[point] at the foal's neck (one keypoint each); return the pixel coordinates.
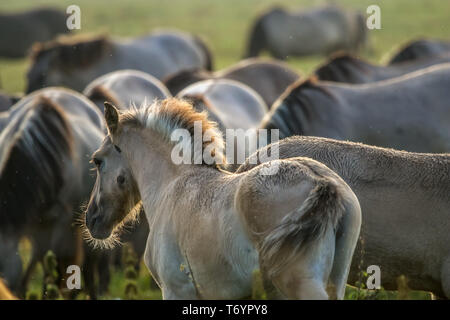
(150, 163)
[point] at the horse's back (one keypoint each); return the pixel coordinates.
(126, 88)
(267, 78)
(169, 52)
(236, 104)
(321, 30)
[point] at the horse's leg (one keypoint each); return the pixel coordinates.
(306, 277)
(176, 283)
(89, 266)
(104, 272)
(347, 238)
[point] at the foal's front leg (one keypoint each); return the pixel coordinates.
(171, 271)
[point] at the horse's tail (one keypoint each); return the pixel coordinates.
(321, 210)
(207, 53)
(257, 38)
(37, 148)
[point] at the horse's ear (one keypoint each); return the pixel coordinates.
(111, 117)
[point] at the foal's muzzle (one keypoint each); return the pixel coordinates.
(95, 222)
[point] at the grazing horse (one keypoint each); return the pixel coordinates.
(268, 78)
(124, 88)
(18, 31)
(409, 113)
(317, 31)
(405, 205)
(45, 174)
(349, 69)
(295, 218)
(75, 61)
(420, 49)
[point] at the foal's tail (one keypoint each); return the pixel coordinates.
(321, 210)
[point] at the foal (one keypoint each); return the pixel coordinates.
(210, 229)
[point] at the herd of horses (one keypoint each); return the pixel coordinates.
(362, 176)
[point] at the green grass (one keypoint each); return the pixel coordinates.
(224, 24)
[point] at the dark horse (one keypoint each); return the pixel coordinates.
(18, 31)
(45, 176)
(349, 69)
(419, 49)
(318, 31)
(74, 62)
(407, 113)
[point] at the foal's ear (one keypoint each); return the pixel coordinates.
(111, 117)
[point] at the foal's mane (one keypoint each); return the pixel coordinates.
(34, 150)
(73, 51)
(163, 117)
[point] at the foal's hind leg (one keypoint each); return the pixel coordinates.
(306, 277)
(346, 240)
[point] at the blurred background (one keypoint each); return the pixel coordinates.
(225, 25)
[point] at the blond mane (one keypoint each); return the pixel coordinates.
(166, 116)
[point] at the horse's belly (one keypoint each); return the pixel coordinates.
(224, 284)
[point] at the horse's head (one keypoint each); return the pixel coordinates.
(64, 62)
(115, 192)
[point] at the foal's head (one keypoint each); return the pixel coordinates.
(115, 192)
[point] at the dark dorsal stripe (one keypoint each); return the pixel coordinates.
(32, 165)
(342, 68)
(296, 109)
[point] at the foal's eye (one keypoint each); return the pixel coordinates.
(120, 179)
(117, 149)
(97, 162)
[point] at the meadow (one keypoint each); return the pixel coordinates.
(224, 25)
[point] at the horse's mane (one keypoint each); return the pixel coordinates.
(164, 117)
(100, 92)
(291, 105)
(73, 51)
(35, 147)
(189, 76)
(339, 65)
